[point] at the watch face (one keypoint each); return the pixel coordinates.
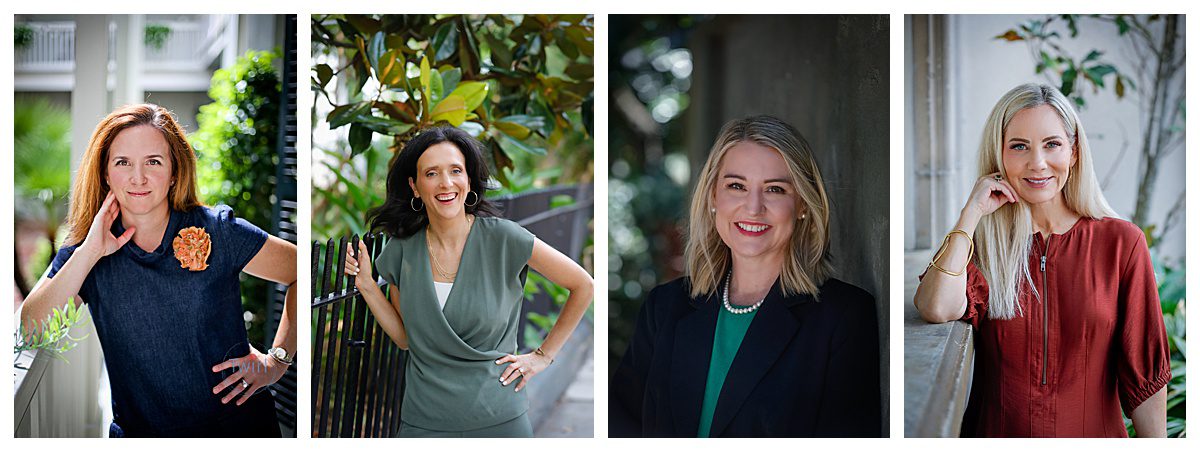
(279, 353)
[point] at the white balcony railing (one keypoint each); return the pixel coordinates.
(52, 48)
(191, 45)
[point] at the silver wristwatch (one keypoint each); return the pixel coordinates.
(281, 355)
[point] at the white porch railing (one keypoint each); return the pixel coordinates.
(56, 399)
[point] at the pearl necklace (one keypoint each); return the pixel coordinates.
(729, 307)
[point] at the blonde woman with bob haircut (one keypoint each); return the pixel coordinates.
(1061, 293)
(160, 275)
(758, 340)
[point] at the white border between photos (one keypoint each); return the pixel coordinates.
(601, 8)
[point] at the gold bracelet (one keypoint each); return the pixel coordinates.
(541, 353)
(942, 250)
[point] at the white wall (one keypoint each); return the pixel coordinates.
(983, 69)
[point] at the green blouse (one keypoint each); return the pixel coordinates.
(731, 329)
(452, 380)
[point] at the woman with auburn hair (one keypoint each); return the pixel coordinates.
(757, 339)
(1061, 293)
(159, 272)
(462, 377)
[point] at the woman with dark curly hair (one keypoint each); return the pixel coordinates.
(457, 273)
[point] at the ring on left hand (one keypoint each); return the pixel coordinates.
(245, 384)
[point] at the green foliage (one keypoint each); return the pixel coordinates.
(52, 335)
(1045, 42)
(41, 169)
(358, 186)
(22, 35)
(1171, 292)
(540, 324)
(156, 35)
(237, 157)
(521, 84)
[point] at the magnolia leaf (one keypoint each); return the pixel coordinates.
(375, 49)
(425, 73)
(324, 74)
(391, 70)
(445, 41)
(512, 129)
(473, 128)
(435, 86)
(363, 23)
(386, 126)
(450, 79)
(452, 109)
(344, 114)
(472, 92)
(508, 143)
(360, 138)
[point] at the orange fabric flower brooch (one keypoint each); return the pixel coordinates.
(192, 247)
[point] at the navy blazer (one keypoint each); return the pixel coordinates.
(805, 368)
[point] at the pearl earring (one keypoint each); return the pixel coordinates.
(712, 210)
(803, 216)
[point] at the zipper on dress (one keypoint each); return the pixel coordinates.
(1045, 312)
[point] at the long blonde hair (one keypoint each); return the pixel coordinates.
(807, 265)
(1003, 239)
(90, 186)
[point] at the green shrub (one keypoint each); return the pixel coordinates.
(237, 157)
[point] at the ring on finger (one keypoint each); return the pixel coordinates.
(245, 384)
(998, 176)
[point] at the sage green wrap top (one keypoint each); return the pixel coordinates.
(451, 377)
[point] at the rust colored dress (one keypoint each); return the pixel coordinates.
(1067, 367)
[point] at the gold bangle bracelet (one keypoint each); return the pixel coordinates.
(942, 250)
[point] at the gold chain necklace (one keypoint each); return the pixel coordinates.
(437, 266)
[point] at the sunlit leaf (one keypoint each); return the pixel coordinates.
(472, 93)
(452, 109)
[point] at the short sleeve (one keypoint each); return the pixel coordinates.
(387, 263)
(977, 295)
(518, 245)
(242, 240)
(1144, 365)
(60, 259)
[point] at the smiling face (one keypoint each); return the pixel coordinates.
(441, 181)
(756, 204)
(1038, 154)
(139, 170)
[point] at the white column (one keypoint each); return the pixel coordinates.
(89, 98)
(131, 30)
(230, 53)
